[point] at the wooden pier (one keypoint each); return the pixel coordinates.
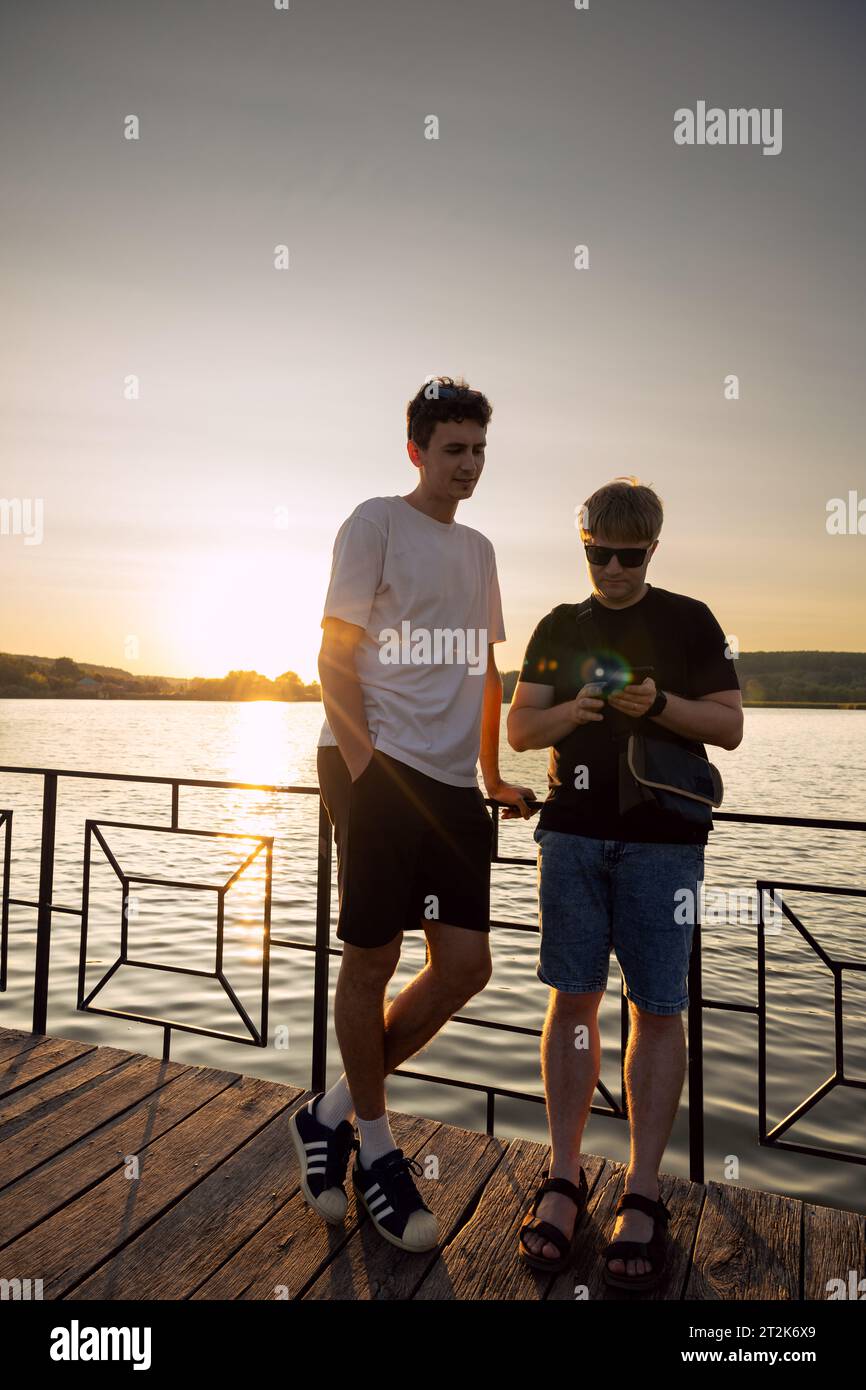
(125, 1177)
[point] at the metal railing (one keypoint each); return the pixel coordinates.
(323, 950)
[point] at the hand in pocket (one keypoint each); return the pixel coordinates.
(364, 769)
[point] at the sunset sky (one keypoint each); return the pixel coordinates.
(193, 526)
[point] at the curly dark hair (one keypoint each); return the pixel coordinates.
(443, 398)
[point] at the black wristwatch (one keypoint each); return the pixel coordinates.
(657, 705)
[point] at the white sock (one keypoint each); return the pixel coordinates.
(376, 1139)
(336, 1104)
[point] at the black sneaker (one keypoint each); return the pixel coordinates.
(393, 1201)
(323, 1155)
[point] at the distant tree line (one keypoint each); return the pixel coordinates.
(23, 677)
(250, 685)
(795, 677)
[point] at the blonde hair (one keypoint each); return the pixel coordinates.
(623, 510)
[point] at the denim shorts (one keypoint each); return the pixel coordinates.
(639, 900)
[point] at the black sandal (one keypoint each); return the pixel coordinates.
(533, 1225)
(654, 1249)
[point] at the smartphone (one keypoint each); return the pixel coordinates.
(616, 678)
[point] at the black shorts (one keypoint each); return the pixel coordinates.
(410, 849)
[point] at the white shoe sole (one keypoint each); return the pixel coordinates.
(395, 1240)
(310, 1199)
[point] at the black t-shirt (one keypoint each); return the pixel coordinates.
(676, 635)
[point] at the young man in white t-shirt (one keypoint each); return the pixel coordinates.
(411, 695)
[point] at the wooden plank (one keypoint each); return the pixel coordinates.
(481, 1261)
(290, 1249)
(585, 1280)
(50, 1134)
(51, 1090)
(46, 1055)
(834, 1245)
(69, 1246)
(369, 1267)
(206, 1227)
(217, 1212)
(14, 1041)
(33, 1198)
(747, 1246)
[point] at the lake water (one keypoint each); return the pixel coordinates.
(791, 762)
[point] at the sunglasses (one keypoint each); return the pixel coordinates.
(629, 556)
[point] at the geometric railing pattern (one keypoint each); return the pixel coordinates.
(94, 829)
(772, 1138)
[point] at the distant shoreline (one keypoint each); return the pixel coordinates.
(767, 680)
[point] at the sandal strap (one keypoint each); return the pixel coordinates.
(657, 1210)
(566, 1188)
(550, 1233)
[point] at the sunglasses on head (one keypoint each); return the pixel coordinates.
(450, 393)
(629, 556)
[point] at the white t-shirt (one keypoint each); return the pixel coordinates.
(427, 590)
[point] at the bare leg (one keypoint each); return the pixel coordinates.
(570, 1061)
(458, 966)
(655, 1067)
(359, 1005)
(373, 1042)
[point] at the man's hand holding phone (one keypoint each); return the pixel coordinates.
(588, 704)
(635, 700)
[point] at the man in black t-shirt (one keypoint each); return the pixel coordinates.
(632, 658)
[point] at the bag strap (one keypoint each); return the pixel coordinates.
(582, 612)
